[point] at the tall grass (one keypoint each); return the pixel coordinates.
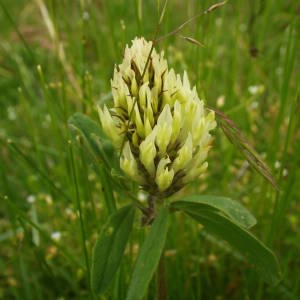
(57, 58)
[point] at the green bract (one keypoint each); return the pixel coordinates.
(162, 120)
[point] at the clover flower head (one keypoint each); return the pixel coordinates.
(161, 119)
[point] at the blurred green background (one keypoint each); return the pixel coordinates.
(57, 58)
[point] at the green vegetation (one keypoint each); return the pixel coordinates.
(57, 59)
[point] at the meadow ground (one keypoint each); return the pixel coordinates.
(249, 69)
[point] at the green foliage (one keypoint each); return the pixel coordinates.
(110, 246)
(248, 69)
(96, 140)
(226, 221)
(251, 248)
(230, 208)
(149, 256)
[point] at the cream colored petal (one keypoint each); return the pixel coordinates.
(177, 119)
(164, 175)
(143, 94)
(148, 152)
(109, 126)
(134, 87)
(149, 111)
(148, 128)
(138, 122)
(154, 99)
(129, 165)
(186, 83)
(184, 155)
(164, 129)
(195, 173)
(170, 88)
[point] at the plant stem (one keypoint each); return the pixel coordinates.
(162, 290)
(82, 227)
(149, 213)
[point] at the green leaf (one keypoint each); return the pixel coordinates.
(100, 145)
(230, 208)
(149, 256)
(110, 247)
(243, 241)
(100, 148)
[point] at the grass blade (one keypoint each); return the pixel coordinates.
(236, 137)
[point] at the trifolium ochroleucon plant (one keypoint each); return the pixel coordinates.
(157, 121)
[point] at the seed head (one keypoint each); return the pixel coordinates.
(161, 119)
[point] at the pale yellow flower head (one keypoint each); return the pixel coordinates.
(168, 137)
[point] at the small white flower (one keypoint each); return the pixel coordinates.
(277, 164)
(221, 101)
(30, 199)
(56, 236)
(142, 196)
(48, 199)
(69, 211)
(256, 89)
